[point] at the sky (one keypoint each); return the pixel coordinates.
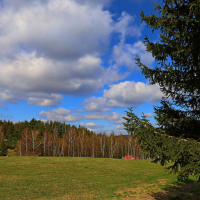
(73, 61)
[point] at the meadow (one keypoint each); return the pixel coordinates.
(89, 178)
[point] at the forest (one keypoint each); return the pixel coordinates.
(38, 138)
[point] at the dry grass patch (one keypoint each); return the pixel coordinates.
(142, 191)
(161, 191)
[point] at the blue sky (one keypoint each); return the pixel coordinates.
(74, 61)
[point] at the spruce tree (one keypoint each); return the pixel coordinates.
(178, 73)
(3, 149)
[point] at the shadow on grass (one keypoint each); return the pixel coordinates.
(179, 191)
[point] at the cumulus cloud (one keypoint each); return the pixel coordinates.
(130, 92)
(96, 104)
(92, 125)
(43, 120)
(124, 55)
(127, 20)
(30, 73)
(45, 99)
(114, 118)
(113, 74)
(11, 3)
(124, 94)
(100, 104)
(60, 114)
(21, 78)
(55, 28)
(95, 2)
(149, 115)
(119, 127)
(11, 96)
(53, 47)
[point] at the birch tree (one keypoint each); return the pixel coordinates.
(35, 143)
(26, 140)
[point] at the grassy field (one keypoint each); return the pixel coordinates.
(89, 178)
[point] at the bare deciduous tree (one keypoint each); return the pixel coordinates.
(34, 141)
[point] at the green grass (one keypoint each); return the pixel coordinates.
(85, 178)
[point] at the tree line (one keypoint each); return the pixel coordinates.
(13, 131)
(37, 138)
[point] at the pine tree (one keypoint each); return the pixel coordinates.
(3, 149)
(178, 55)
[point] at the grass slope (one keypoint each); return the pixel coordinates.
(89, 178)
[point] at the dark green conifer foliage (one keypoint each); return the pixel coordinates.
(178, 55)
(3, 149)
(183, 154)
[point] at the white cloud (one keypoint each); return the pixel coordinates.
(11, 97)
(100, 104)
(60, 114)
(95, 104)
(124, 94)
(42, 120)
(149, 115)
(113, 74)
(124, 55)
(57, 29)
(119, 127)
(21, 3)
(45, 99)
(124, 26)
(95, 2)
(27, 3)
(92, 125)
(53, 47)
(132, 93)
(29, 74)
(113, 117)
